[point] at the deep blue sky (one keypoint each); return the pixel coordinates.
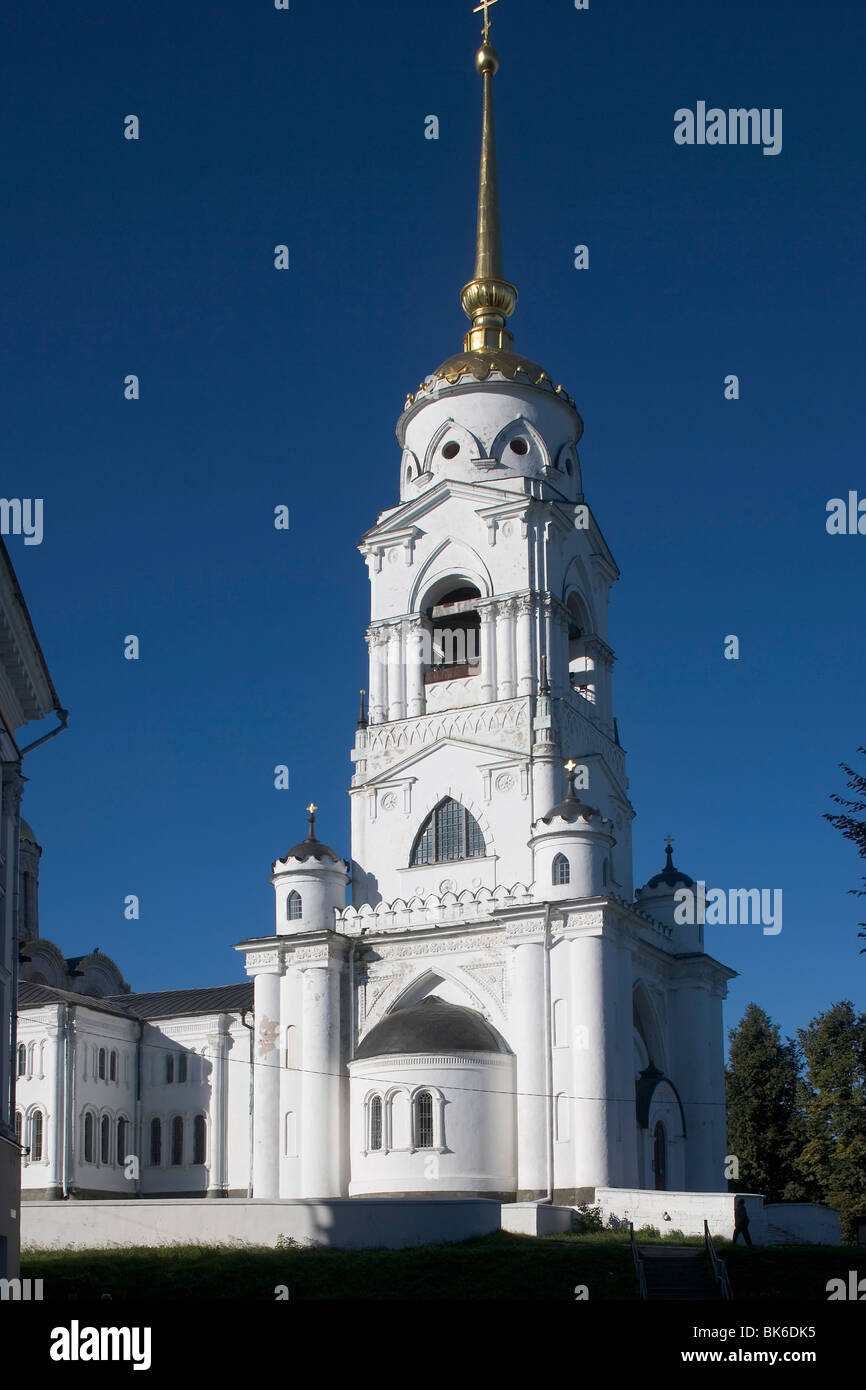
(307, 127)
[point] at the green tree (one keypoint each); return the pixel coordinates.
(852, 823)
(765, 1123)
(833, 1092)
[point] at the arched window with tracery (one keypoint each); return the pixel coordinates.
(375, 1138)
(37, 1124)
(424, 1120)
(561, 871)
(294, 907)
(449, 832)
(22, 1060)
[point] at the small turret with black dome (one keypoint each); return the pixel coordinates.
(571, 847)
(310, 883)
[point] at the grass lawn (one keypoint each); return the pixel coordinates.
(500, 1266)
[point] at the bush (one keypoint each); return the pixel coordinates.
(588, 1219)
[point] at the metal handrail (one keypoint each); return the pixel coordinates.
(638, 1262)
(719, 1268)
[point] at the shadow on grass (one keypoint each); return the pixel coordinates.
(499, 1266)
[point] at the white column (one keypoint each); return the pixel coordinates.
(505, 651)
(414, 668)
(593, 983)
(627, 1127)
(696, 1068)
(320, 1041)
(488, 653)
(396, 673)
(266, 1084)
(218, 1045)
(376, 640)
(527, 999)
(525, 667)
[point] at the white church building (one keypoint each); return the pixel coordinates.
(497, 1013)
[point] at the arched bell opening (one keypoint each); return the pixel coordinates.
(455, 630)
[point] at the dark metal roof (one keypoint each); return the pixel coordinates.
(669, 874)
(310, 849)
(170, 1003)
(431, 1026)
(30, 996)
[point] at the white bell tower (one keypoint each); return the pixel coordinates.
(489, 657)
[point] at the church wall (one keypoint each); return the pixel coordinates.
(216, 1052)
(473, 1126)
(37, 1089)
(90, 1032)
(494, 788)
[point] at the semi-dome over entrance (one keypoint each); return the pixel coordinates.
(431, 1026)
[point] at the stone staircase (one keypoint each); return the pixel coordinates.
(681, 1272)
(677, 1272)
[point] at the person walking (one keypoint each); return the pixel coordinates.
(741, 1221)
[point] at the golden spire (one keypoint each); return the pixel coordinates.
(489, 299)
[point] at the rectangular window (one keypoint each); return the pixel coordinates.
(169, 1068)
(181, 1067)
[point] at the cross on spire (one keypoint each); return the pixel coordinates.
(485, 6)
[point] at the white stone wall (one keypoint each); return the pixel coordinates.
(683, 1211)
(353, 1224)
(802, 1223)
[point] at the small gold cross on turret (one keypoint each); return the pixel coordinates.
(668, 841)
(312, 808)
(485, 6)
